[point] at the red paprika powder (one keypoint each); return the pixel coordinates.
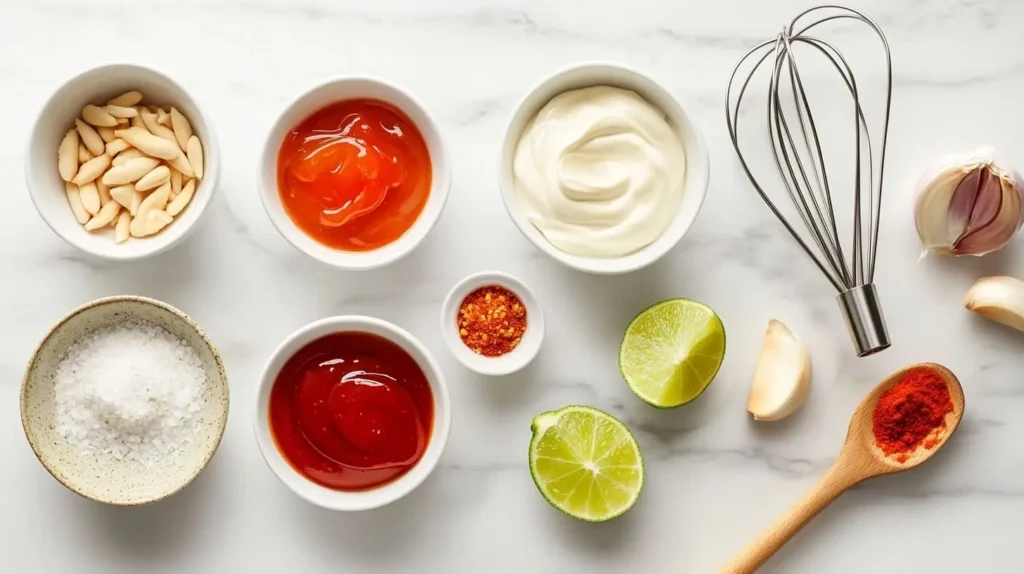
(911, 413)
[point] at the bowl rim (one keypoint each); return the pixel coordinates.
(357, 260)
(370, 499)
(23, 393)
(698, 167)
(211, 161)
(508, 363)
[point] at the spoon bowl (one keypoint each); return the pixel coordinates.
(860, 447)
(860, 459)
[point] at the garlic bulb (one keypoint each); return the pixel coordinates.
(969, 205)
(782, 377)
(998, 298)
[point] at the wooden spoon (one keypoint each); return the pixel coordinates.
(859, 460)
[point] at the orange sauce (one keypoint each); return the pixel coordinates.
(355, 175)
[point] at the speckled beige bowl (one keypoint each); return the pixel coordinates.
(104, 478)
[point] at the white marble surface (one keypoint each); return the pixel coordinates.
(714, 477)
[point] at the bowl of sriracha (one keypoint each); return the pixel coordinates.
(352, 413)
(354, 173)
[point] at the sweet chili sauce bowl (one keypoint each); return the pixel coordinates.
(500, 365)
(362, 499)
(585, 75)
(46, 188)
(316, 99)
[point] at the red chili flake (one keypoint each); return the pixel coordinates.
(491, 321)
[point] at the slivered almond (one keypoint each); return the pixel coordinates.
(130, 153)
(182, 128)
(90, 137)
(67, 155)
(163, 117)
(106, 134)
(137, 122)
(181, 200)
(92, 169)
(103, 190)
(83, 154)
(128, 197)
(157, 220)
(131, 171)
(175, 183)
(126, 99)
(104, 217)
(195, 156)
(120, 111)
(150, 222)
(116, 146)
(121, 233)
(75, 200)
(181, 164)
(154, 179)
(137, 228)
(142, 225)
(97, 116)
(157, 199)
(149, 118)
(150, 144)
(90, 197)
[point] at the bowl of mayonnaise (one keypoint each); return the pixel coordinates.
(601, 168)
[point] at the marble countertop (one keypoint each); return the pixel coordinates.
(714, 477)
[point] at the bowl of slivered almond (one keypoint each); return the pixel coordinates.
(122, 162)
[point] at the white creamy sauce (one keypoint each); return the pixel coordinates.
(599, 171)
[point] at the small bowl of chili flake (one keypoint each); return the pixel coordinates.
(492, 323)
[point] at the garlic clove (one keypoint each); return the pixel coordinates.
(968, 205)
(987, 202)
(961, 205)
(999, 298)
(782, 377)
(936, 233)
(1001, 228)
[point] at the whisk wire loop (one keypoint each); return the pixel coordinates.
(824, 235)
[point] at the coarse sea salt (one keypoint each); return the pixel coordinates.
(132, 390)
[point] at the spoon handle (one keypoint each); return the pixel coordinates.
(836, 481)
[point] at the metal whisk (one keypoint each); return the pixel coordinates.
(797, 149)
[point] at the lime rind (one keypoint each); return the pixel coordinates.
(586, 463)
(671, 352)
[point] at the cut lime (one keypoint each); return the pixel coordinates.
(586, 463)
(671, 351)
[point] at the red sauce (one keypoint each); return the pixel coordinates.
(355, 175)
(351, 411)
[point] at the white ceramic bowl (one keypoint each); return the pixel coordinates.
(46, 188)
(317, 98)
(509, 362)
(366, 499)
(608, 74)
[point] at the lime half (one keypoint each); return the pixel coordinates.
(586, 463)
(671, 351)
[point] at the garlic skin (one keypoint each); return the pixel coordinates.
(782, 376)
(999, 298)
(968, 205)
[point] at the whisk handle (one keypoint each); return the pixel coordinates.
(863, 313)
